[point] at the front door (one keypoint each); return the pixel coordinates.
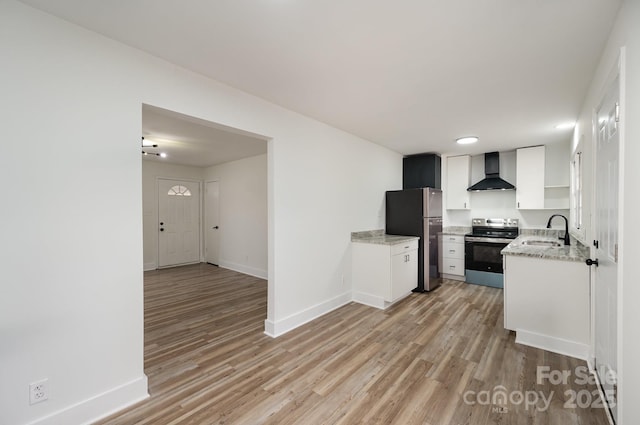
(178, 222)
(212, 222)
(606, 233)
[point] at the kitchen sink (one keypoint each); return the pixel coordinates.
(541, 242)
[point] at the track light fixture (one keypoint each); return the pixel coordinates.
(150, 144)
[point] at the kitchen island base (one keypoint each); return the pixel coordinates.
(547, 303)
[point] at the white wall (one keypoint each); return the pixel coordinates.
(626, 33)
(323, 190)
(72, 258)
(151, 170)
(243, 214)
(502, 204)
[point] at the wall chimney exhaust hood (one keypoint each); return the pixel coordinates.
(492, 180)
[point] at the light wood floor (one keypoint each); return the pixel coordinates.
(208, 361)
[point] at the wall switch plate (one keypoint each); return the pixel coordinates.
(38, 391)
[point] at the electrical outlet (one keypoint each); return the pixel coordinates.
(38, 391)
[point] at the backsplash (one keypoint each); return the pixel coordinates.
(456, 230)
(552, 233)
(500, 204)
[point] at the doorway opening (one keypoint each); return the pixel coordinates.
(231, 214)
(204, 201)
(212, 222)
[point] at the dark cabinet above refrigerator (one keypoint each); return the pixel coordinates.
(422, 170)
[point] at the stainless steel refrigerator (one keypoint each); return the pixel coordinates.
(418, 212)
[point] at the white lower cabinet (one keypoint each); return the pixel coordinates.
(547, 303)
(452, 257)
(383, 274)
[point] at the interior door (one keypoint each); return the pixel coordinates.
(178, 222)
(212, 222)
(606, 228)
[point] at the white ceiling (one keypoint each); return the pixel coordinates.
(412, 75)
(191, 141)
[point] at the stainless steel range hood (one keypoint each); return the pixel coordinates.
(492, 180)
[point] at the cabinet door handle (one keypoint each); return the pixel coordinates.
(452, 267)
(465, 205)
(518, 204)
(452, 250)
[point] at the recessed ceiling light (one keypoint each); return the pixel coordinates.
(466, 140)
(163, 155)
(565, 125)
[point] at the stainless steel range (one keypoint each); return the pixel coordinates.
(483, 261)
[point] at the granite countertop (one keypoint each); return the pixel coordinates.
(456, 230)
(574, 252)
(380, 238)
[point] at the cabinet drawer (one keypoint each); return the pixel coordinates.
(453, 238)
(453, 250)
(453, 266)
(404, 247)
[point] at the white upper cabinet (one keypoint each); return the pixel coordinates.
(542, 175)
(458, 180)
(530, 178)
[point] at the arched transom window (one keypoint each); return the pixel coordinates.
(179, 190)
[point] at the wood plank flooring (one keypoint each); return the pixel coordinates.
(436, 359)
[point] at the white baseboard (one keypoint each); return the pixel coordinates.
(150, 266)
(241, 268)
(555, 345)
(368, 299)
(282, 326)
(269, 328)
(374, 300)
(99, 406)
(452, 277)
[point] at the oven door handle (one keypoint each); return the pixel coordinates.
(490, 240)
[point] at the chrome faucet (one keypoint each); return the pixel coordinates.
(566, 227)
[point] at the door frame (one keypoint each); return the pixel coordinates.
(200, 216)
(205, 213)
(617, 71)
